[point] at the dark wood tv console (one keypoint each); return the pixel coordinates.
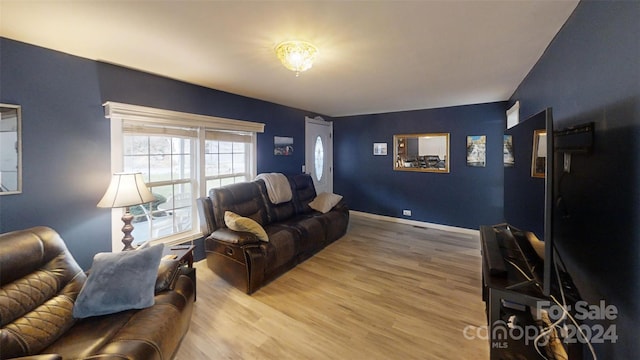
(512, 292)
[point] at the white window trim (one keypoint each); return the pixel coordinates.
(118, 113)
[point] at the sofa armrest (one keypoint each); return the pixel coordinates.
(234, 237)
(341, 206)
(205, 213)
(154, 332)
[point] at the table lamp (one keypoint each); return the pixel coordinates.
(125, 190)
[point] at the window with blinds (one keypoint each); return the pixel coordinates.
(165, 157)
(227, 158)
(180, 160)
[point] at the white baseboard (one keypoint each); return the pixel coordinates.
(415, 223)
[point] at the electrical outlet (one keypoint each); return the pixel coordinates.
(406, 212)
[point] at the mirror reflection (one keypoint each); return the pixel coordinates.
(539, 156)
(10, 164)
(422, 152)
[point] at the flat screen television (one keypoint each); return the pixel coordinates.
(528, 185)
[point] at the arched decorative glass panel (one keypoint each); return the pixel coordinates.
(319, 158)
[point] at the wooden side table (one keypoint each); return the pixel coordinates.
(184, 255)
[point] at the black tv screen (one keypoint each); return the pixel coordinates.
(528, 182)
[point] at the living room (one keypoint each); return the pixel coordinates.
(588, 73)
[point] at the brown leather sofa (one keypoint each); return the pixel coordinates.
(295, 231)
(40, 281)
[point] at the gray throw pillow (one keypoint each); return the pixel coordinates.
(325, 201)
(119, 281)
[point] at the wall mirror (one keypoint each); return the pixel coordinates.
(421, 152)
(539, 154)
(10, 150)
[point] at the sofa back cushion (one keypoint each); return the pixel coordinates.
(276, 212)
(303, 192)
(280, 212)
(40, 281)
(244, 199)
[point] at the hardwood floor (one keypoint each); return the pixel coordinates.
(383, 291)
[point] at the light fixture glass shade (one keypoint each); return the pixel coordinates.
(296, 56)
(126, 189)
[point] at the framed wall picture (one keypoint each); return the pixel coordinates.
(507, 150)
(380, 149)
(477, 150)
(282, 145)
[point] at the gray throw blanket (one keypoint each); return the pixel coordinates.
(278, 187)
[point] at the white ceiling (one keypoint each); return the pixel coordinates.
(374, 57)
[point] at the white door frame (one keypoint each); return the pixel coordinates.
(312, 125)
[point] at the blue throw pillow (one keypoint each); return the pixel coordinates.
(119, 281)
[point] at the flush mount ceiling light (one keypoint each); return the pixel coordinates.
(296, 56)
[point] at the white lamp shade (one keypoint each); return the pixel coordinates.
(126, 189)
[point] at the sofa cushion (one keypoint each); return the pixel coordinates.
(325, 202)
(81, 341)
(282, 247)
(119, 281)
(280, 212)
(303, 192)
(244, 199)
(312, 233)
(240, 223)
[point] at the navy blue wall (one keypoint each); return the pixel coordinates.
(66, 138)
(134, 87)
(65, 142)
(466, 197)
(590, 72)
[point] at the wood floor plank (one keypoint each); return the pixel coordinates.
(383, 291)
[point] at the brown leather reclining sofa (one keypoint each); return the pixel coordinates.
(295, 231)
(40, 281)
